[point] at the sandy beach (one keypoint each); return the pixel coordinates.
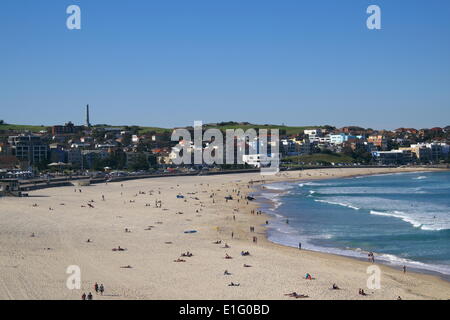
(45, 233)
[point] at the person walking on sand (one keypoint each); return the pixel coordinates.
(89, 297)
(96, 287)
(83, 296)
(404, 269)
(102, 289)
(299, 246)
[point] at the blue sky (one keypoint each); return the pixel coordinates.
(170, 62)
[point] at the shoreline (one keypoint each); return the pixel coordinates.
(29, 271)
(361, 257)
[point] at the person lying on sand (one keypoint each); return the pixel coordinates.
(247, 266)
(127, 267)
(245, 253)
(296, 295)
(335, 287)
(187, 254)
(226, 246)
(228, 256)
(217, 242)
(179, 260)
(226, 273)
(118, 249)
(90, 205)
(232, 284)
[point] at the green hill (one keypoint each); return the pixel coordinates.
(20, 127)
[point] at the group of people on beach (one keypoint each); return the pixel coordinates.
(99, 289)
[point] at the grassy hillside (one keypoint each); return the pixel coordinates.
(143, 130)
(20, 127)
(283, 129)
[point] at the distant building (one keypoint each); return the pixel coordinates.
(80, 145)
(68, 128)
(5, 149)
(341, 138)
(8, 162)
(379, 141)
(314, 135)
(29, 148)
(291, 147)
(90, 156)
(74, 156)
(57, 154)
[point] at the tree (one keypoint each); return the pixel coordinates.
(42, 165)
(126, 139)
(141, 163)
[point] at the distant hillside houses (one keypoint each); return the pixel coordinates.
(86, 147)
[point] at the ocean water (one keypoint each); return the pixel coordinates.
(403, 218)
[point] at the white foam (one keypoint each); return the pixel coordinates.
(278, 186)
(338, 203)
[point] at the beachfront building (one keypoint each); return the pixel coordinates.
(90, 156)
(74, 156)
(259, 160)
(426, 152)
(393, 157)
(29, 148)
